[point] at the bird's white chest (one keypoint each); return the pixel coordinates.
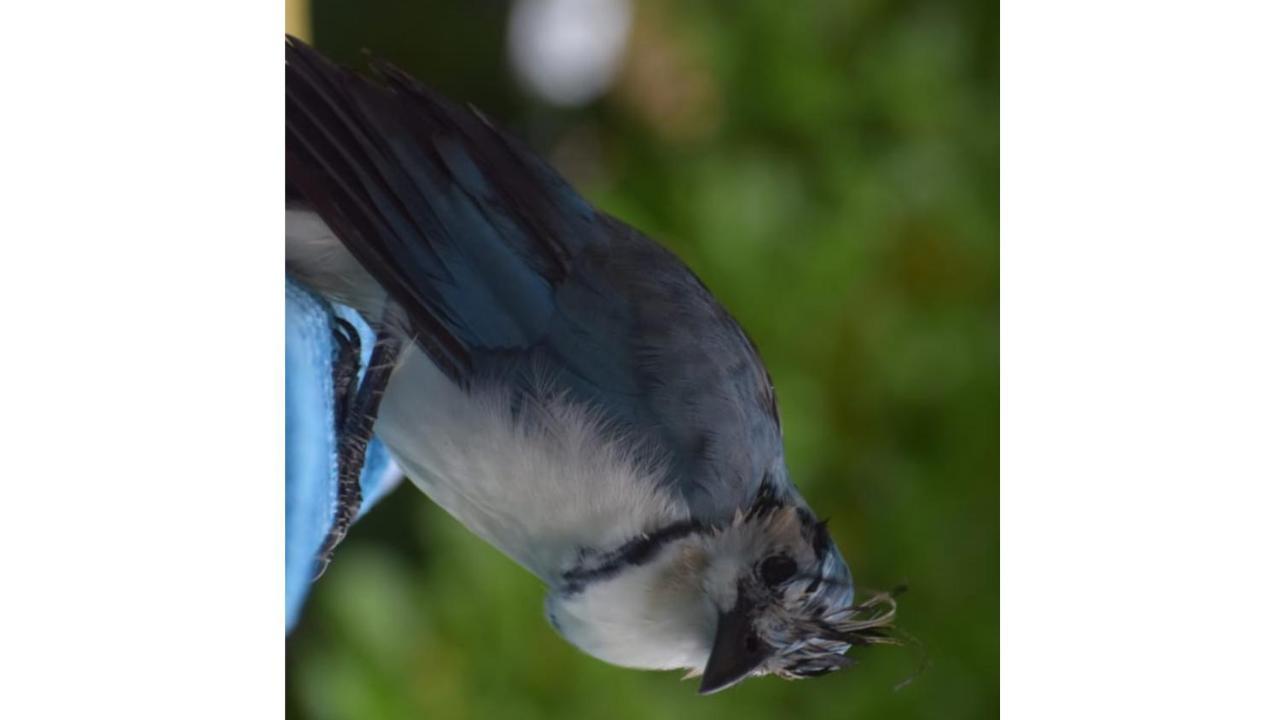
(539, 486)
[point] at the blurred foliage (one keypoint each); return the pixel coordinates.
(830, 170)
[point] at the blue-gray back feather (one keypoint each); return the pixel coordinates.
(505, 274)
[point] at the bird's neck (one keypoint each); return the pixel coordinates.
(594, 565)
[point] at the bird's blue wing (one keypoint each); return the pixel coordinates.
(502, 268)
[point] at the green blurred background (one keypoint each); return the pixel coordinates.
(830, 170)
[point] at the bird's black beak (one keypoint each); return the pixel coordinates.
(736, 652)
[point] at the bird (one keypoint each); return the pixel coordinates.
(563, 386)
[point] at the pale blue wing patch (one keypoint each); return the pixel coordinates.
(311, 466)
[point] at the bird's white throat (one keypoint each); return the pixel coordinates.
(656, 615)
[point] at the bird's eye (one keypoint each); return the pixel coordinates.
(777, 569)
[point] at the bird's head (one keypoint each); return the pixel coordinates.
(783, 597)
(765, 592)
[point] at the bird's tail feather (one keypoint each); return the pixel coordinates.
(466, 232)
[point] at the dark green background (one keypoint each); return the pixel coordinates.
(830, 170)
